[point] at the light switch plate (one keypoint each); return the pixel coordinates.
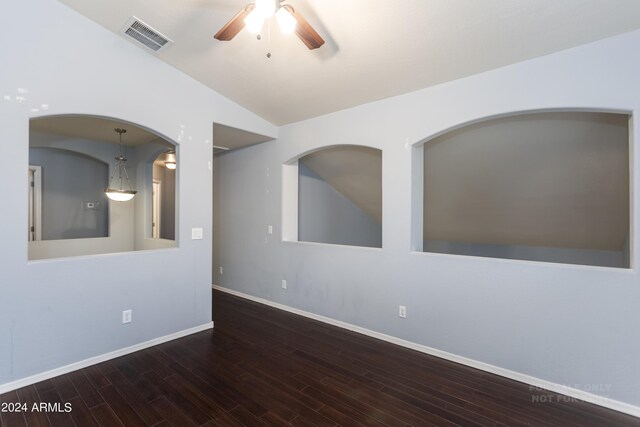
(197, 233)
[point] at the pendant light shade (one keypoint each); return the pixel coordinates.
(286, 21)
(254, 21)
(266, 8)
(170, 163)
(116, 190)
(120, 195)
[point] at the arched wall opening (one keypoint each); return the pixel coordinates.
(66, 151)
(333, 195)
(540, 186)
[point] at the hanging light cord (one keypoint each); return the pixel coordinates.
(119, 166)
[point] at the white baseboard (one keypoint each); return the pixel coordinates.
(616, 405)
(23, 382)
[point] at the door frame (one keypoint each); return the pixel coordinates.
(35, 203)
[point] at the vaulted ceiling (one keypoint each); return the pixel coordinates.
(375, 48)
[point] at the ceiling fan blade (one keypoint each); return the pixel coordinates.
(234, 26)
(306, 33)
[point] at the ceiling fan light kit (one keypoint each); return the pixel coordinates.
(254, 21)
(265, 8)
(286, 21)
(289, 20)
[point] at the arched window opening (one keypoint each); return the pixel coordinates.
(340, 196)
(550, 187)
(74, 161)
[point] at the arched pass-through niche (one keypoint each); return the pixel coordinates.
(75, 159)
(549, 186)
(333, 195)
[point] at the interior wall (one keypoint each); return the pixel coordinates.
(550, 187)
(167, 179)
(602, 258)
(525, 184)
(73, 307)
(566, 324)
(144, 173)
(121, 215)
(168, 205)
(326, 216)
(69, 180)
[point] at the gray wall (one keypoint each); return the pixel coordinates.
(565, 324)
(601, 258)
(58, 312)
(167, 180)
(168, 209)
(557, 179)
(124, 227)
(68, 180)
(327, 216)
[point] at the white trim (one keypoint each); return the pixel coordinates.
(23, 382)
(37, 201)
(417, 197)
(616, 405)
(156, 203)
(631, 247)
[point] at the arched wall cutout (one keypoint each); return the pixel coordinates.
(581, 143)
(139, 125)
(322, 184)
(298, 156)
(129, 222)
(481, 119)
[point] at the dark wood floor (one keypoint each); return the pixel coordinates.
(262, 366)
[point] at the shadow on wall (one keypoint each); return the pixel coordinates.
(340, 196)
(74, 205)
(548, 187)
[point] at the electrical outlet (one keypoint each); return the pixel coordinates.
(126, 316)
(284, 284)
(270, 229)
(220, 270)
(402, 311)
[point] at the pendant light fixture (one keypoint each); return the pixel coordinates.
(171, 160)
(119, 173)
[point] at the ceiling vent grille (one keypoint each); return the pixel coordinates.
(144, 35)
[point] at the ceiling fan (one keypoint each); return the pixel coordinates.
(289, 20)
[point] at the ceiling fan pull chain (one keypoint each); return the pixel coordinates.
(269, 39)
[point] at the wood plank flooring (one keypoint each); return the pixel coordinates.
(265, 367)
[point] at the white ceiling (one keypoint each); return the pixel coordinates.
(375, 48)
